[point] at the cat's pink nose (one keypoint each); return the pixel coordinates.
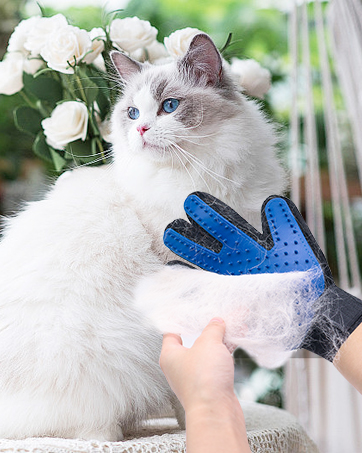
(142, 129)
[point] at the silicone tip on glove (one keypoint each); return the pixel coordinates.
(219, 240)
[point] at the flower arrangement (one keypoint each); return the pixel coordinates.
(64, 75)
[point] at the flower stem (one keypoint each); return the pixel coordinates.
(27, 99)
(80, 86)
(42, 109)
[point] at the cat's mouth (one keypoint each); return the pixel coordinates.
(146, 145)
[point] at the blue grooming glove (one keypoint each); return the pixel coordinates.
(217, 239)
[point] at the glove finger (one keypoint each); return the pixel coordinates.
(291, 236)
(195, 233)
(191, 251)
(220, 221)
(281, 219)
(309, 238)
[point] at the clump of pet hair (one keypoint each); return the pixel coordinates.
(268, 315)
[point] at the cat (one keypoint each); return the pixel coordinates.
(77, 358)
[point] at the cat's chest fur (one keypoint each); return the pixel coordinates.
(125, 222)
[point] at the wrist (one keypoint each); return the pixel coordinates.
(217, 405)
(215, 426)
(220, 414)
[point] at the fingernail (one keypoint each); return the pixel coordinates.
(217, 320)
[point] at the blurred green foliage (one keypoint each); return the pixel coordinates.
(256, 33)
(14, 146)
(86, 17)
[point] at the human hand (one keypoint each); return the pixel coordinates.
(202, 375)
(202, 378)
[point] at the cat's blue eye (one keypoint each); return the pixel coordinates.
(170, 105)
(133, 113)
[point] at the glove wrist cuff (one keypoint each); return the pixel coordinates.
(337, 315)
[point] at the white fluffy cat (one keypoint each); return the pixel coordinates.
(77, 358)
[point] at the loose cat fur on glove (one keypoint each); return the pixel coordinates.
(77, 358)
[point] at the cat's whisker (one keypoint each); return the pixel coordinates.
(171, 161)
(183, 164)
(197, 170)
(92, 162)
(211, 173)
(99, 154)
(197, 136)
(189, 157)
(190, 141)
(176, 146)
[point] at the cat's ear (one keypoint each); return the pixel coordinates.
(125, 66)
(202, 61)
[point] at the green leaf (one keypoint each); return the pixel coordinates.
(227, 44)
(103, 95)
(44, 88)
(47, 153)
(42, 10)
(91, 90)
(58, 160)
(80, 152)
(83, 87)
(27, 120)
(41, 148)
(103, 103)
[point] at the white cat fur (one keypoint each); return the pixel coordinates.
(265, 318)
(77, 357)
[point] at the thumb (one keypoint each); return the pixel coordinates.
(215, 330)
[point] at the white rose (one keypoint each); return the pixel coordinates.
(156, 51)
(32, 65)
(99, 63)
(66, 46)
(68, 122)
(152, 53)
(255, 79)
(132, 33)
(11, 73)
(178, 42)
(41, 31)
(21, 34)
(97, 35)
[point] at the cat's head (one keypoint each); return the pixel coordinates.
(173, 112)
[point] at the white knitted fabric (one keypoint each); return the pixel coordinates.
(269, 430)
